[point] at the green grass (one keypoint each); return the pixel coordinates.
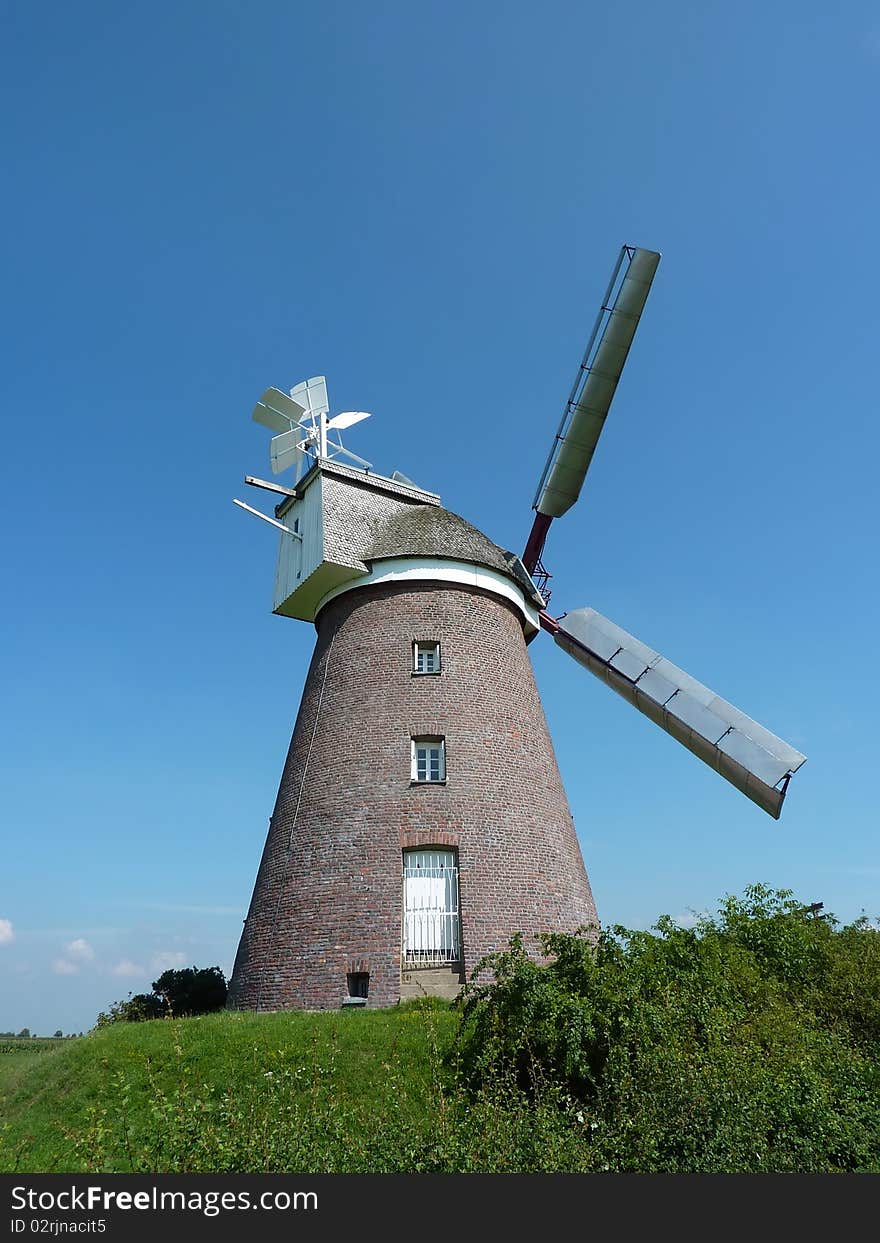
(340, 1092)
(748, 1043)
(227, 1091)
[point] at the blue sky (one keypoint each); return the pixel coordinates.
(423, 202)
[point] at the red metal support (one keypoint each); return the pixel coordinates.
(535, 543)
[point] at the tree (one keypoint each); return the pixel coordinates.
(59, 1035)
(24, 1034)
(177, 994)
(190, 991)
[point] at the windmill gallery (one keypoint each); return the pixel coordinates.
(440, 825)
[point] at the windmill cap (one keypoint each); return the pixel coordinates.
(431, 531)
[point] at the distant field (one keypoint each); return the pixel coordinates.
(35, 1044)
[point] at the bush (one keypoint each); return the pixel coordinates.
(745, 1043)
(192, 991)
(181, 993)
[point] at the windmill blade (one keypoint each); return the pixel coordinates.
(347, 418)
(744, 752)
(596, 383)
(312, 395)
(285, 450)
(270, 418)
(277, 411)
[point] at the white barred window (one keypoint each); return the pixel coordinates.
(428, 759)
(426, 657)
(430, 907)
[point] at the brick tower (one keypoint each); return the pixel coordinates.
(421, 818)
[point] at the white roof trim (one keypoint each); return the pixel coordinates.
(440, 570)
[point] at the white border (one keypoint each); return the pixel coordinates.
(439, 570)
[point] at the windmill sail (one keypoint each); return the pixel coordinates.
(591, 394)
(277, 411)
(595, 384)
(744, 752)
(286, 450)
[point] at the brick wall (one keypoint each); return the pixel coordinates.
(328, 894)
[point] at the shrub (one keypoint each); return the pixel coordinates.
(745, 1043)
(192, 991)
(180, 993)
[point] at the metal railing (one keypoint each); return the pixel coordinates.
(430, 915)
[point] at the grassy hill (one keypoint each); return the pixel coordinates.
(747, 1043)
(367, 1091)
(229, 1091)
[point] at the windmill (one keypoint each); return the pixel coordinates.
(421, 819)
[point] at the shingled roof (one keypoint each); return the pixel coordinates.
(431, 531)
(350, 520)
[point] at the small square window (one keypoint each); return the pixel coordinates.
(359, 984)
(428, 759)
(426, 657)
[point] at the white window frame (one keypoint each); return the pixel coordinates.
(431, 651)
(431, 928)
(428, 765)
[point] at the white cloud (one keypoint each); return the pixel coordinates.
(690, 919)
(6, 933)
(81, 950)
(167, 960)
(126, 967)
(63, 966)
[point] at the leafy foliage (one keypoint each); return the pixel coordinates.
(136, 1009)
(192, 991)
(745, 1043)
(188, 991)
